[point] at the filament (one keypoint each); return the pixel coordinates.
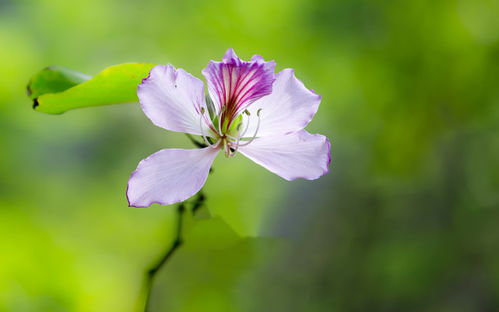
(256, 131)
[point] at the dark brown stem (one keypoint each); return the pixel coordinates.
(152, 273)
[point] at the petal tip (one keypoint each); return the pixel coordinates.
(127, 193)
(315, 93)
(230, 55)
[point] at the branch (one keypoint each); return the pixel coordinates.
(152, 272)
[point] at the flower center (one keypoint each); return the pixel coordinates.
(228, 132)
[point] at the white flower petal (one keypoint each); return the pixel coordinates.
(169, 176)
(173, 100)
(291, 156)
(289, 108)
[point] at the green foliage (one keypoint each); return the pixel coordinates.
(54, 79)
(56, 90)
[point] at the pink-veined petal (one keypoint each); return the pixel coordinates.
(169, 176)
(173, 100)
(289, 108)
(291, 156)
(234, 84)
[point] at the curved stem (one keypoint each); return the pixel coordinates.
(177, 242)
(151, 273)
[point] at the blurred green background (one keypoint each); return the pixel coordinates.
(407, 220)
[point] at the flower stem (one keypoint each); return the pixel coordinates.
(152, 272)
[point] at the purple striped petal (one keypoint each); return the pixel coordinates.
(234, 84)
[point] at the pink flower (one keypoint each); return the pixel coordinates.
(253, 111)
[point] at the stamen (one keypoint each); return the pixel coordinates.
(231, 137)
(247, 125)
(240, 134)
(256, 131)
(237, 147)
(226, 148)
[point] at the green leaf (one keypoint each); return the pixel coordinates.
(54, 79)
(56, 90)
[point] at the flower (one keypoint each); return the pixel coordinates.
(250, 110)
